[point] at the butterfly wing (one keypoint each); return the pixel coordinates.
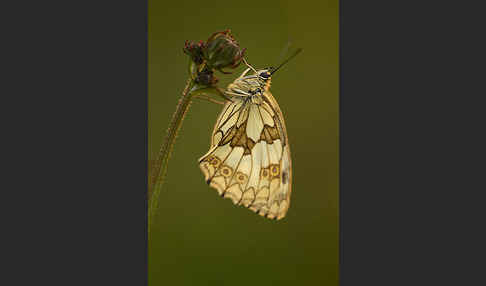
(249, 158)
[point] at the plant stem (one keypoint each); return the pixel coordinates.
(160, 167)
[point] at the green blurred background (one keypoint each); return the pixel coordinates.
(202, 239)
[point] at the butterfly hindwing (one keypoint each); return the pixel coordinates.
(249, 158)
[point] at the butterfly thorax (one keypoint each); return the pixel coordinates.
(251, 85)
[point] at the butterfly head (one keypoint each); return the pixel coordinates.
(264, 78)
(264, 74)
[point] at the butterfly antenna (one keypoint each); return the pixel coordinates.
(248, 65)
(286, 61)
(285, 51)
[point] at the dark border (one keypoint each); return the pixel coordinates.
(80, 144)
(409, 124)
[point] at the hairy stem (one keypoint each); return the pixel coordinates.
(160, 167)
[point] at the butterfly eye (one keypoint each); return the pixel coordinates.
(265, 75)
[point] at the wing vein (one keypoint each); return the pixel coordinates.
(220, 165)
(232, 114)
(232, 176)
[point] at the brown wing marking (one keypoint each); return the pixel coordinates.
(257, 174)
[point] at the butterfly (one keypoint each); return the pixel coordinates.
(249, 157)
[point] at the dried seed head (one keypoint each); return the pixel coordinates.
(220, 51)
(206, 77)
(195, 51)
(223, 51)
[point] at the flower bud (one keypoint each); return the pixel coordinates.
(222, 51)
(195, 51)
(206, 77)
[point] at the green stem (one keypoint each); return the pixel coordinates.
(160, 167)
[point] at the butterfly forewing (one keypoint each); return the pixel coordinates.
(249, 158)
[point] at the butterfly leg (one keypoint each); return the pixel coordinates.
(205, 97)
(222, 94)
(244, 73)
